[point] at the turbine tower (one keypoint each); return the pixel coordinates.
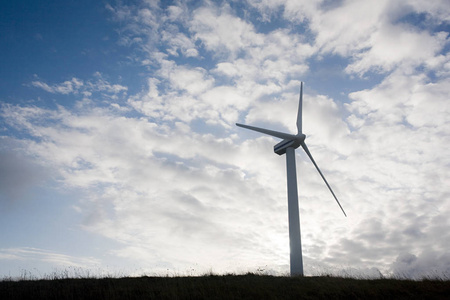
(287, 146)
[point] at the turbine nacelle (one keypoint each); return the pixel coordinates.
(281, 147)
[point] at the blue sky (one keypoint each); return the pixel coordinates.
(119, 152)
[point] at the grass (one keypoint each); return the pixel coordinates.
(249, 286)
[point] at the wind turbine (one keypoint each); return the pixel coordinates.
(287, 146)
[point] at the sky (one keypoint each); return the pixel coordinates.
(119, 153)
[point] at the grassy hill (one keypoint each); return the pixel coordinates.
(224, 287)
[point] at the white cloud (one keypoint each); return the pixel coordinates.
(383, 37)
(192, 201)
(222, 32)
(278, 58)
(394, 45)
(43, 86)
(194, 81)
(403, 97)
(336, 30)
(76, 86)
(59, 260)
(67, 87)
(438, 10)
(167, 167)
(179, 42)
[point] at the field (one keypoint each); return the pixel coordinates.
(248, 286)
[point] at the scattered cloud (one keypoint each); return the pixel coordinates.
(59, 260)
(77, 86)
(67, 87)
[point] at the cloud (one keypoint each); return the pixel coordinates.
(429, 265)
(11, 169)
(77, 86)
(58, 260)
(335, 28)
(18, 174)
(119, 161)
(386, 35)
(205, 32)
(222, 32)
(180, 42)
(394, 45)
(67, 87)
(165, 166)
(194, 81)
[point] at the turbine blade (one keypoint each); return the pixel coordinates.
(299, 114)
(281, 135)
(323, 177)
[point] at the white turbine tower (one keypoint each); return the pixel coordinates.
(288, 145)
